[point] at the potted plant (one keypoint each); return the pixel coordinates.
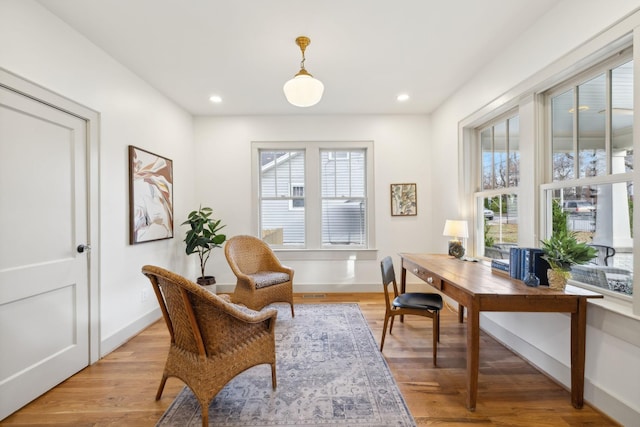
(561, 251)
(202, 237)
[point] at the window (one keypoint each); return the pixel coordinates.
(344, 202)
(316, 195)
(297, 194)
(590, 187)
(497, 201)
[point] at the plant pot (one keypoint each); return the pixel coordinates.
(206, 280)
(557, 279)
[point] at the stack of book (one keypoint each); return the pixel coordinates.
(521, 262)
(500, 266)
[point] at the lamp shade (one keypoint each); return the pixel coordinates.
(303, 90)
(456, 228)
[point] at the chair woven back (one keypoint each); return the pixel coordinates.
(175, 295)
(250, 254)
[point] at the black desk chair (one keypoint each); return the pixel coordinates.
(417, 303)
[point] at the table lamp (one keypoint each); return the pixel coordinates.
(457, 229)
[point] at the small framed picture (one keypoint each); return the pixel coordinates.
(150, 196)
(404, 200)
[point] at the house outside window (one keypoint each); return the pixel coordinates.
(590, 186)
(497, 200)
(297, 194)
(314, 195)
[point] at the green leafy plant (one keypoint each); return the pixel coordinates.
(488, 240)
(203, 235)
(562, 250)
(559, 218)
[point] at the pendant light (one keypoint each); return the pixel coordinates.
(303, 90)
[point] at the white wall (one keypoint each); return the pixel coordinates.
(401, 155)
(612, 376)
(36, 45)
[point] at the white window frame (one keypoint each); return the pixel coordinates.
(313, 206)
(620, 318)
(480, 194)
(608, 178)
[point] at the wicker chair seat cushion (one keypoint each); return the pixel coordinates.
(269, 278)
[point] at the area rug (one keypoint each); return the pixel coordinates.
(329, 371)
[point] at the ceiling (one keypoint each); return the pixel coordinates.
(366, 52)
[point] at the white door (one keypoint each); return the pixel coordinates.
(44, 298)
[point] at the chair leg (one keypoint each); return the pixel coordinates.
(163, 381)
(384, 331)
(391, 326)
(273, 376)
(292, 313)
(435, 338)
(205, 415)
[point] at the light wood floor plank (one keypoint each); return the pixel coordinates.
(120, 389)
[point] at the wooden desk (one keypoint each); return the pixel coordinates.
(474, 286)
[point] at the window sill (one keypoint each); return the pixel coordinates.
(613, 315)
(326, 254)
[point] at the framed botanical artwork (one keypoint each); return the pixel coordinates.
(404, 200)
(150, 196)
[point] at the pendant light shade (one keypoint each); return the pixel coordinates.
(303, 90)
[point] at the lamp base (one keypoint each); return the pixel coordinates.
(456, 249)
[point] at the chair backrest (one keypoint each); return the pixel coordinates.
(604, 253)
(173, 292)
(198, 320)
(388, 277)
(248, 254)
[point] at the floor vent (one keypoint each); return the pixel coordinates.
(314, 296)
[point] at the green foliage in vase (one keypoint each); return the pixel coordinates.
(562, 250)
(203, 235)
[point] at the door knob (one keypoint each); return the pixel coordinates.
(82, 248)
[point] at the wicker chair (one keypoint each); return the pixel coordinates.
(212, 340)
(261, 278)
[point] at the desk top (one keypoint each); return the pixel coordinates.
(478, 279)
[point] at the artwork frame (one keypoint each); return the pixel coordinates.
(404, 199)
(150, 196)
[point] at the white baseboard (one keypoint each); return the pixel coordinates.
(108, 344)
(228, 288)
(595, 396)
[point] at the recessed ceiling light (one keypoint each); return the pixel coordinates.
(402, 97)
(216, 99)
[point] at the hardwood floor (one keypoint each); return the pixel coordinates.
(120, 389)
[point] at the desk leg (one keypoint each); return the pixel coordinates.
(578, 343)
(403, 286)
(473, 354)
(460, 313)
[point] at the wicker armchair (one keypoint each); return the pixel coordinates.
(212, 340)
(261, 278)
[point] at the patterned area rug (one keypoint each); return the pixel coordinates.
(329, 371)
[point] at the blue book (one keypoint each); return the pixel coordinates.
(524, 263)
(500, 264)
(514, 263)
(540, 266)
